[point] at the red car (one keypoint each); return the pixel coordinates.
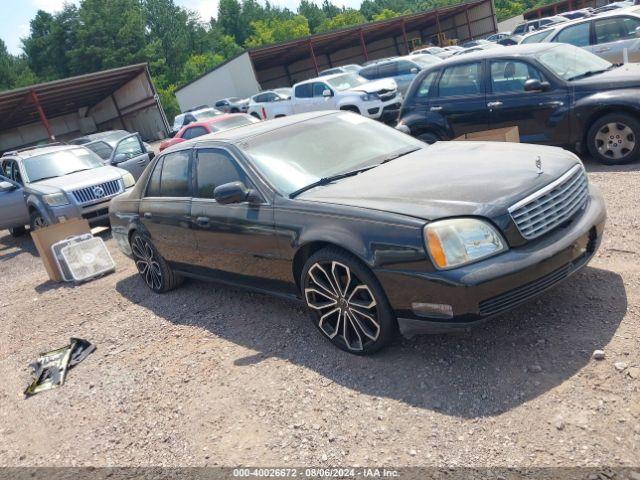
(211, 125)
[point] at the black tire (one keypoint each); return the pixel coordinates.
(234, 110)
(153, 269)
(429, 137)
(614, 139)
(254, 114)
(350, 108)
(37, 220)
(338, 286)
(17, 231)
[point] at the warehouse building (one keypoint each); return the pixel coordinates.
(121, 98)
(286, 63)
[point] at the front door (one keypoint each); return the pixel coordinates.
(541, 116)
(131, 155)
(13, 208)
(236, 239)
(165, 209)
(460, 105)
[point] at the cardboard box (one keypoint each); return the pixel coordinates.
(506, 134)
(45, 237)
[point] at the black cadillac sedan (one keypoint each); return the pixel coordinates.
(555, 94)
(376, 231)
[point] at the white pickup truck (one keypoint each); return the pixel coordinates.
(379, 99)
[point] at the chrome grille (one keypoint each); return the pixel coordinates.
(553, 205)
(387, 94)
(97, 192)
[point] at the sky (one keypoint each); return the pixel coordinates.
(16, 14)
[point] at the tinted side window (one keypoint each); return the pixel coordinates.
(174, 181)
(404, 67)
(577, 35)
(101, 149)
(628, 26)
(387, 70)
(509, 75)
(153, 188)
(426, 84)
(460, 80)
(318, 88)
(304, 91)
(194, 132)
(215, 168)
(131, 147)
(370, 73)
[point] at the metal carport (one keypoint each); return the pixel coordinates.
(120, 98)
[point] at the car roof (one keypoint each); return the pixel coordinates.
(35, 151)
(511, 51)
(238, 134)
(216, 119)
(110, 136)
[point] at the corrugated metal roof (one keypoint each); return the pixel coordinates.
(64, 96)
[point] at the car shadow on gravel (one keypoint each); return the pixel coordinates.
(13, 246)
(485, 371)
(595, 167)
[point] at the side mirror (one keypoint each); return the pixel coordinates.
(415, 70)
(233, 192)
(7, 187)
(327, 93)
(121, 157)
(535, 85)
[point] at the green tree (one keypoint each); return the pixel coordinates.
(229, 19)
(385, 14)
(313, 13)
(345, 19)
(272, 31)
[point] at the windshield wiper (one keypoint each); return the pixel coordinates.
(327, 180)
(590, 73)
(79, 170)
(398, 155)
(44, 178)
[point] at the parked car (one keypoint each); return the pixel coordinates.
(511, 40)
(453, 48)
(233, 105)
(191, 116)
(612, 6)
(435, 51)
(213, 125)
(475, 43)
(374, 230)
(353, 68)
(119, 148)
(606, 35)
(576, 14)
(401, 69)
(379, 99)
(478, 48)
(537, 24)
(41, 186)
(498, 36)
(256, 104)
(556, 94)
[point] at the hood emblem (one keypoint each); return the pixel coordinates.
(539, 165)
(98, 192)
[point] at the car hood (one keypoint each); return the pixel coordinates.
(74, 181)
(376, 86)
(624, 76)
(450, 179)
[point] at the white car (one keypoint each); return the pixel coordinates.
(257, 102)
(435, 51)
(378, 99)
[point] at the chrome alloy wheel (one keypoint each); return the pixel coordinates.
(147, 263)
(615, 140)
(39, 222)
(347, 309)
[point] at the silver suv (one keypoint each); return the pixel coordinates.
(45, 185)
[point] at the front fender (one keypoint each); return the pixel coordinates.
(589, 107)
(35, 203)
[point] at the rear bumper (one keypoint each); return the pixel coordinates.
(478, 291)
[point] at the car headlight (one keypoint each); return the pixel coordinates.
(128, 180)
(55, 199)
(367, 97)
(459, 241)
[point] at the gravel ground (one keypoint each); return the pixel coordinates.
(209, 375)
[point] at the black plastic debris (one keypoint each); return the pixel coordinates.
(50, 369)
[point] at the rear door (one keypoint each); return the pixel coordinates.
(165, 209)
(613, 35)
(541, 116)
(13, 207)
(460, 105)
(131, 154)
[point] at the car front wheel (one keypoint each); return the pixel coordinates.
(613, 139)
(37, 220)
(350, 306)
(153, 269)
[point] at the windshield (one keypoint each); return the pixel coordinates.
(60, 163)
(346, 81)
(206, 113)
(569, 62)
(323, 147)
(537, 37)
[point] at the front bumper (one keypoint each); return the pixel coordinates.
(489, 287)
(385, 111)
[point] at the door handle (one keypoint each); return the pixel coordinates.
(142, 162)
(203, 221)
(147, 215)
(437, 108)
(494, 104)
(553, 104)
(603, 49)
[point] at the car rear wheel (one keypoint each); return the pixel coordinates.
(37, 220)
(350, 306)
(613, 139)
(17, 231)
(153, 269)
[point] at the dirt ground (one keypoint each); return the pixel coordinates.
(209, 375)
